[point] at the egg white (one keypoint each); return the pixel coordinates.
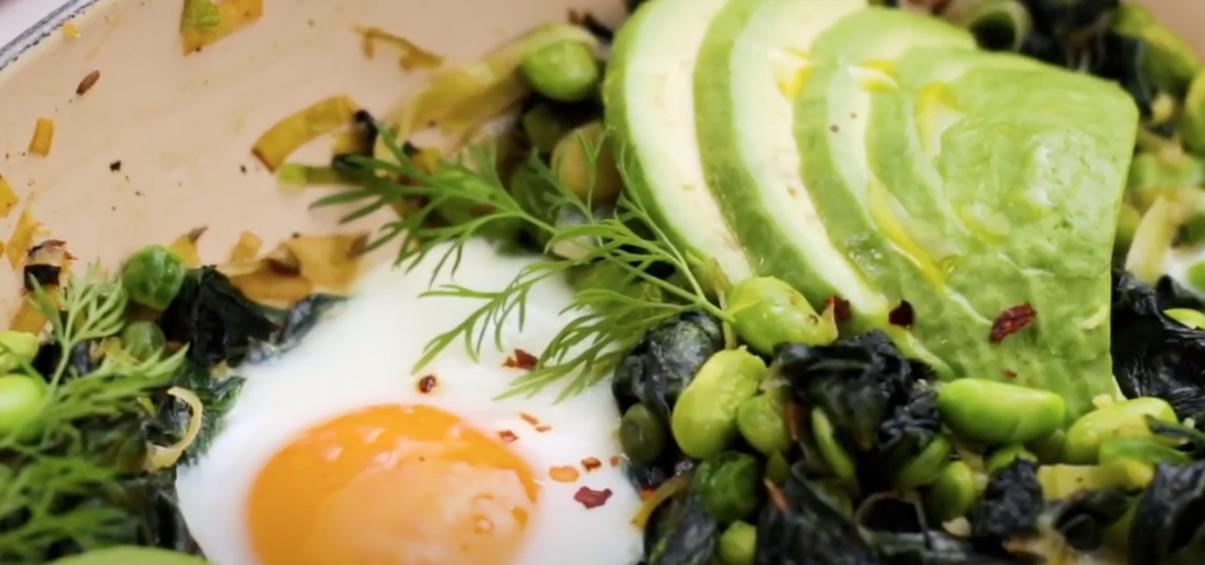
(363, 355)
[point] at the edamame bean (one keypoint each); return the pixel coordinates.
(642, 434)
(925, 467)
(566, 71)
(704, 419)
(1062, 481)
(839, 461)
(1048, 449)
(1004, 457)
(953, 493)
(1120, 419)
(20, 401)
(1146, 450)
(767, 312)
(142, 338)
(762, 423)
(153, 276)
(738, 544)
(16, 349)
(999, 413)
(584, 161)
(728, 485)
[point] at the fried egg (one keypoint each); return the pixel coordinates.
(339, 452)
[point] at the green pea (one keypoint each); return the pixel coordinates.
(1120, 419)
(16, 349)
(738, 544)
(1146, 450)
(21, 399)
(545, 127)
(999, 413)
(925, 466)
(762, 423)
(839, 461)
(1190, 318)
(767, 312)
(584, 161)
(704, 419)
(1005, 456)
(142, 339)
(153, 276)
(953, 492)
(565, 71)
(728, 485)
(642, 434)
(1192, 124)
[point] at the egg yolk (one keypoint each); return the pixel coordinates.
(392, 485)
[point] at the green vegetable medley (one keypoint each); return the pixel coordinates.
(868, 283)
(960, 356)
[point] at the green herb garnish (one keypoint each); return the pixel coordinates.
(607, 322)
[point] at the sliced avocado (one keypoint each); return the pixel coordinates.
(650, 107)
(967, 183)
(751, 65)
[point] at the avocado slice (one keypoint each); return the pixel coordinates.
(967, 183)
(650, 107)
(751, 65)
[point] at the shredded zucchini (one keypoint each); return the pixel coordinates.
(276, 144)
(461, 99)
(206, 21)
(43, 137)
(413, 56)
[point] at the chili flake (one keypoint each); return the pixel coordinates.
(1012, 321)
(591, 463)
(521, 360)
(591, 498)
(507, 436)
(616, 460)
(840, 308)
(902, 315)
(427, 384)
(529, 418)
(565, 474)
(543, 428)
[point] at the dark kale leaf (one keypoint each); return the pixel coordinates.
(1010, 504)
(798, 527)
(1078, 35)
(682, 532)
(1084, 518)
(859, 383)
(216, 321)
(1154, 355)
(293, 324)
(1167, 523)
(909, 429)
(666, 360)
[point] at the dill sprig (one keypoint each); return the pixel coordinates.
(605, 322)
(59, 488)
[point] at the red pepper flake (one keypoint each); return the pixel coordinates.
(507, 436)
(427, 384)
(616, 460)
(529, 418)
(88, 82)
(564, 474)
(840, 307)
(902, 315)
(793, 414)
(521, 360)
(646, 493)
(591, 463)
(591, 498)
(1012, 321)
(543, 428)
